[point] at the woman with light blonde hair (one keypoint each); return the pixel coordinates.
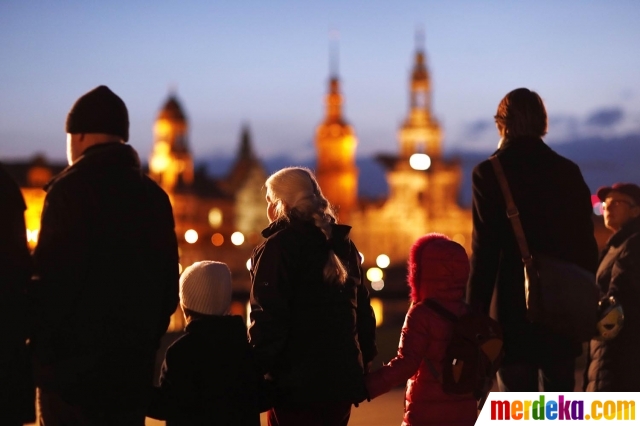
(312, 326)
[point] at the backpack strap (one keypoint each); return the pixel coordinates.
(441, 310)
(449, 316)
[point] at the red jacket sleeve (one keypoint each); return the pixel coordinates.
(412, 349)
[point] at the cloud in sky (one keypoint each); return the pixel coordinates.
(478, 128)
(604, 121)
(605, 117)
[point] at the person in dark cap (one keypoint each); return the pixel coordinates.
(613, 363)
(555, 209)
(17, 391)
(106, 274)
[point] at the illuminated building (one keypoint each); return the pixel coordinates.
(217, 219)
(171, 164)
(423, 187)
(336, 148)
(221, 218)
(31, 177)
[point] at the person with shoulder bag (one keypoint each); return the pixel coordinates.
(554, 208)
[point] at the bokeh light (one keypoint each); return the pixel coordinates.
(215, 217)
(374, 274)
(237, 238)
(420, 161)
(383, 261)
(377, 285)
(191, 236)
(217, 239)
(597, 208)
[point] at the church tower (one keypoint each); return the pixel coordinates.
(245, 183)
(171, 163)
(336, 149)
(420, 132)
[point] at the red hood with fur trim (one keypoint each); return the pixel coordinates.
(438, 268)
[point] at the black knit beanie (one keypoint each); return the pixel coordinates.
(99, 111)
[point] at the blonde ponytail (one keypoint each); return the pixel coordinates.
(295, 191)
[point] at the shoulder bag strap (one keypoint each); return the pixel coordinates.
(512, 212)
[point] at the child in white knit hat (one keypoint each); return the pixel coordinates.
(208, 375)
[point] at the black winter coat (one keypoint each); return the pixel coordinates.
(107, 263)
(613, 364)
(209, 377)
(17, 391)
(310, 337)
(555, 210)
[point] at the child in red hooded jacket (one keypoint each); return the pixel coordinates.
(438, 269)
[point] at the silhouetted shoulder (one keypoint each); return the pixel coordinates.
(9, 190)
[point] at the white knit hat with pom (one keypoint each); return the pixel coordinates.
(205, 288)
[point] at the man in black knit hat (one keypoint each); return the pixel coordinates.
(106, 270)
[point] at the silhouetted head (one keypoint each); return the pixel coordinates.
(521, 113)
(98, 116)
(205, 288)
(438, 268)
(620, 204)
(293, 192)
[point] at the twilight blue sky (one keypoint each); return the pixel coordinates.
(266, 63)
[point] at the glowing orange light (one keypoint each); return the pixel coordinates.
(217, 239)
(376, 305)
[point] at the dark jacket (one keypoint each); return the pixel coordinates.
(555, 209)
(441, 274)
(209, 376)
(107, 263)
(17, 391)
(613, 364)
(311, 338)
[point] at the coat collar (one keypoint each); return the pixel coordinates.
(628, 229)
(339, 233)
(522, 144)
(110, 154)
(214, 322)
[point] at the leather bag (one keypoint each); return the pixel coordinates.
(561, 296)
